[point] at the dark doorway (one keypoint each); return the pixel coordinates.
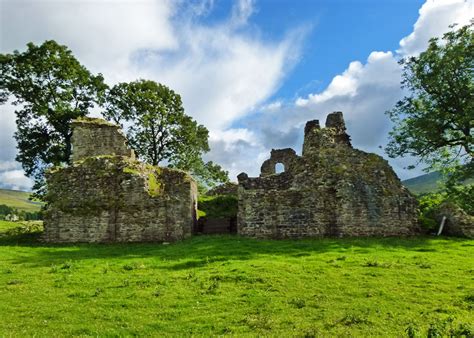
(217, 225)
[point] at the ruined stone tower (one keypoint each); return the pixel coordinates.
(108, 196)
(331, 190)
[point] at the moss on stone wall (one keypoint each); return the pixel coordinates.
(133, 171)
(94, 121)
(154, 186)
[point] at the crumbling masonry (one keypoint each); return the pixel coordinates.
(331, 190)
(106, 195)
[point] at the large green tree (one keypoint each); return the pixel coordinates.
(435, 121)
(159, 130)
(50, 88)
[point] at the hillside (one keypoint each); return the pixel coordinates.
(426, 183)
(19, 200)
(423, 183)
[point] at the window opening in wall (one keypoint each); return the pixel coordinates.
(279, 168)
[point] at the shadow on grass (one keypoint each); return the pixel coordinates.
(201, 250)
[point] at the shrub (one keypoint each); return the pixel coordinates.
(220, 206)
(428, 204)
(32, 216)
(427, 222)
(6, 210)
(460, 195)
(26, 228)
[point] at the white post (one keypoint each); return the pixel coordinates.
(441, 226)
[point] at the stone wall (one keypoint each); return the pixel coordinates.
(458, 222)
(331, 190)
(107, 197)
(229, 188)
(95, 137)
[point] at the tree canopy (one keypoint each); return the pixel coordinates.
(50, 88)
(435, 122)
(159, 130)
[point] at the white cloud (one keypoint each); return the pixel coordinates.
(222, 71)
(340, 85)
(15, 180)
(222, 75)
(8, 165)
(102, 34)
(200, 8)
(7, 128)
(234, 135)
(435, 18)
(364, 91)
(242, 11)
(237, 150)
(272, 106)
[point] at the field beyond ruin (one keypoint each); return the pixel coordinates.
(227, 285)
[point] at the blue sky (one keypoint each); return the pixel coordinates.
(338, 32)
(252, 71)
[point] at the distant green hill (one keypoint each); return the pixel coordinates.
(19, 200)
(423, 183)
(426, 183)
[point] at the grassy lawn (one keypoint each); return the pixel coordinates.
(223, 285)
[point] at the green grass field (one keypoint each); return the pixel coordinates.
(19, 200)
(223, 285)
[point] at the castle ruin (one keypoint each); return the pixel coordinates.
(331, 190)
(106, 195)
